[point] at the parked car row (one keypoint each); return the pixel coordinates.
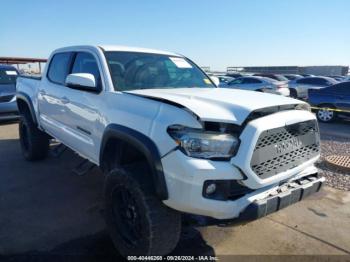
(329, 96)
(259, 83)
(297, 85)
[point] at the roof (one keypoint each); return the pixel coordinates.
(136, 49)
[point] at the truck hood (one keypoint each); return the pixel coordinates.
(218, 104)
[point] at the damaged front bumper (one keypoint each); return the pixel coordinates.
(285, 195)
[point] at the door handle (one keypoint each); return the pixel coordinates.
(65, 100)
(42, 92)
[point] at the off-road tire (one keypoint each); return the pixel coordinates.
(158, 226)
(34, 142)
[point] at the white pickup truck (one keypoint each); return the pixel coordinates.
(169, 141)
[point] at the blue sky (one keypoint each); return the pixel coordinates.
(212, 33)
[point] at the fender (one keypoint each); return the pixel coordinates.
(27, 100)
(146, 146)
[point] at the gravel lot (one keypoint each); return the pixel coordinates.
(332, 145)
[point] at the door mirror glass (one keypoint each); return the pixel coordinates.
(82, 81)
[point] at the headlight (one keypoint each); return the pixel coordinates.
(204, 144)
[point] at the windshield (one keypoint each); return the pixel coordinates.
(132, 70)
(8, 76)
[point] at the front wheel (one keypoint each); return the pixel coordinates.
(326, 115)
(138, 222)
(34, 142)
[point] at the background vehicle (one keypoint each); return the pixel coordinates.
(292, 76)
(169, 141)
(299, 87)
(273, 76)
(262, 84)
(332, 97)
(224, 80)
(8, 105)
(338, 78)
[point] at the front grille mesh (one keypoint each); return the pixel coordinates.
(4, 99)
(284, 135)
(284, 148)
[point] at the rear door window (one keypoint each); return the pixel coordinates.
(59, 67)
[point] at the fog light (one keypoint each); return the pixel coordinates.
(210, 189)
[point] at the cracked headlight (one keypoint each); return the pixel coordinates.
(204, 144)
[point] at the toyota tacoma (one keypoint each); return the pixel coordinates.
(170, 143)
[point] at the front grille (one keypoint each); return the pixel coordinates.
(4, 99)
(284, 148)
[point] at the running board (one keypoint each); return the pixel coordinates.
(58, 150)
(83, 167)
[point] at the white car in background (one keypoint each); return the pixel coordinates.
(261, 84)
(299, 87)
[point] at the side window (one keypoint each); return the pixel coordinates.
(58, 69)
(251, 81)
(237, 81)
(86, 63)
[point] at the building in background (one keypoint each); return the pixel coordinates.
(313, 70)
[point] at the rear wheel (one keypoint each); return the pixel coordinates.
(34, 142)
(138, 222)
(326, 114)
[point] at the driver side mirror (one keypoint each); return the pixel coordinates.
(82, 81)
